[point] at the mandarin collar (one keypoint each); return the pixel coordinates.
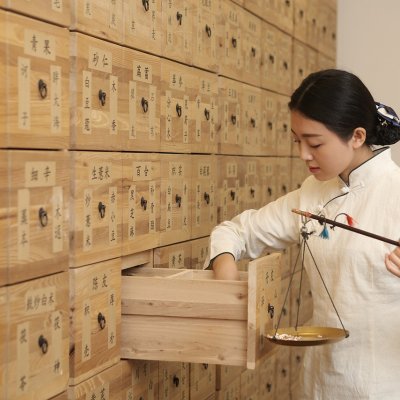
(366, 171)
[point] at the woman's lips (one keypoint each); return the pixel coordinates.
(313, 170)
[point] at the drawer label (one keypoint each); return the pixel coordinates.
(113, 105)
(86, 102)
(39, 44)
(87, 220)
(23, 362)
(100, 173)
(231, 170)
(112, 320)
(23, 218)
(132, 109)
(57, 219)
(40, 300)
(56, 97)
(100, 60)
(113, 222)
(24, 93)
(152, 209)
(132, 212)
(56, 335)
(40, 174)
(86, 331)
(142, 72)
(176, 259)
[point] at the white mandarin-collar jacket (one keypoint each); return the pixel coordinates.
(367, 297)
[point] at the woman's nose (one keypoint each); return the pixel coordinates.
(305, 153)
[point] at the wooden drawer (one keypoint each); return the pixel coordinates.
(177, 24)
(202, 381)
(300, 172)
(230, 187)
(204, 187)
(285, 15)
(139, 379)
(140, 106)
(36, 213)
(213, 321)
(176, 202)
(251, 33)
(38, 335)
(285, 44)
(96, 103)
(313, 23)
(230, 40)
(249, 384)
(200, 250)
(96, 217)
(175, 256)
(105, 385)
(55, 11)
(300, 10)
(282, 373)
(204, 114)
(142, 25)
(252, 184)
(101, 18)
(173, 378)
(229, 392)
(269, 60)
(283, 175)
(176, 97)
(283, 132)
(296, 364)
(325, 62)
(95, 319)
(266, 376)
(227, 374)
(141, 202)
(268, 179)
(229, 116)
(299, 70)
(251, 120)
(205, 35)
(36, 112)
(269, 109)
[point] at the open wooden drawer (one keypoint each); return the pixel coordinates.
(186, 315)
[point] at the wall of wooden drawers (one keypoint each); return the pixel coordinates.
(128, 129)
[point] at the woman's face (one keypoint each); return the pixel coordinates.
(325, 154)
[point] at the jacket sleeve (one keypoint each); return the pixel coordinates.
(272, 227)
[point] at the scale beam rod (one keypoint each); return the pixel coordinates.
(324, 220)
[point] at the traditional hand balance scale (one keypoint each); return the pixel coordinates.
(186, 315)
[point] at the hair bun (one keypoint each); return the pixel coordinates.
(388, 125)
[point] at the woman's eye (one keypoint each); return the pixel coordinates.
(315, 146)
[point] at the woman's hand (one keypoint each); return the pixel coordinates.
(392, 262)
(225, 267)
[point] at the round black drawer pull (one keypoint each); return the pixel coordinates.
(42, 86)
(43, 344)
(43, 218)
(102, 97)
(101, 319)
(102, 209)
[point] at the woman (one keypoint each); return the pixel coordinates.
(336, 124)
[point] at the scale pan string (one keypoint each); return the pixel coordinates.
(302, 248)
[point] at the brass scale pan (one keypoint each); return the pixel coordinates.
(317, 335)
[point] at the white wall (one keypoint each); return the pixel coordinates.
(367, 38)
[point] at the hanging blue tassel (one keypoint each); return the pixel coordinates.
(324, 233)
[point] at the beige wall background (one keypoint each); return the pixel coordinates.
(367, 40)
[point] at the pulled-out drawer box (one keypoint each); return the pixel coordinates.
(188, 316)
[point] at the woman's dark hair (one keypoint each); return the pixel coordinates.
(340, 100)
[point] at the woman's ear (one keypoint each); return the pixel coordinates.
(359, 137)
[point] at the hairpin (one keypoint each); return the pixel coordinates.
(387, 115)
